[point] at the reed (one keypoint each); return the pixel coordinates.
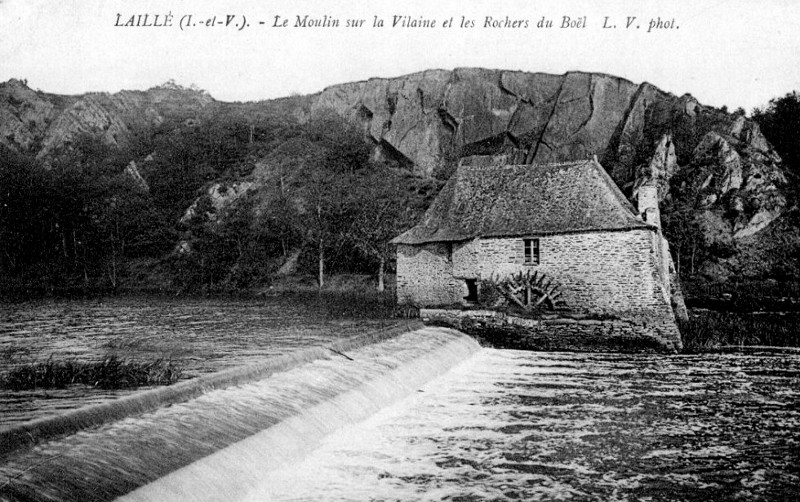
(112, 372)
(706, 330)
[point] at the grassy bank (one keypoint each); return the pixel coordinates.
(707, 329)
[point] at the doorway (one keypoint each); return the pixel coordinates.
(472, 290)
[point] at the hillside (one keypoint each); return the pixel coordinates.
(723, 185)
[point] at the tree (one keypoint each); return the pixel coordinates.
(385, 210)
(333, 160)
(780, 123)
(327, 209)
(345, 150)
(21, 208)
(686, 237)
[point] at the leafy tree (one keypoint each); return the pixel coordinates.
(386, 208)
(21, 211)
(780, 123)
(325, 212)
(342, 142)
(318, 173)
(685, 236)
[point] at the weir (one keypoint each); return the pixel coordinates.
(218, 445)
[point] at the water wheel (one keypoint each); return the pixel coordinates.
(529, 291)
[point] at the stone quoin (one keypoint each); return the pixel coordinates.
(567, 220)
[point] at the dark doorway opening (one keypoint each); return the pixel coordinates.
(472, 290)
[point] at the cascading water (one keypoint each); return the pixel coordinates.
(513, 425)
(217, 446)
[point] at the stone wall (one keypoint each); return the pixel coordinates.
(625, 274)
(467, 259)
(500, 330)
(425, 275)
(600, 271)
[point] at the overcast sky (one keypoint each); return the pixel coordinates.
(724, 52)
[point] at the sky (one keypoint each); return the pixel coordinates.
(735, 53)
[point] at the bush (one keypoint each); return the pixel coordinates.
(488, 294)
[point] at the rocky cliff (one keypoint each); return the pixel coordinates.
(640, 133)
(715, 164)
(38, 123)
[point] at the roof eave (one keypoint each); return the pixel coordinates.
(500, 235)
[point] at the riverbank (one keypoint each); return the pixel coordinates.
(21, 290)
(707, 330)
(720, 314)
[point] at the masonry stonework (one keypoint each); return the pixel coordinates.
(500, 330)
(618, 273)
(600, 271)
(425, 275)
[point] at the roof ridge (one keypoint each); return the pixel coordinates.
(526, 166)
(556, 197)
(564, 163)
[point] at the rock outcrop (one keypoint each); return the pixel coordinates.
(132, 172)
(220, 196)
(659, 171)
(25, 115)
(38, 123)
(641, 134)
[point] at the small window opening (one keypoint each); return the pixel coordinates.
(472, 290)
(531, 251)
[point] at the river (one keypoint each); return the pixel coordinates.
(512, 425)
(499, 425)
(200, 335)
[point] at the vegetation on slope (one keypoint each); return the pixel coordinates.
(77, 219)
(306, 191)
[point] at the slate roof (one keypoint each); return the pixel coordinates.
(484, 199)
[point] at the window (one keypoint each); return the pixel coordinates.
(531, 251)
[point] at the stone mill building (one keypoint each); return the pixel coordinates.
(569, 221)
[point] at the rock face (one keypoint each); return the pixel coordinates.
(40, 123)
(25, 115)
(642, 135)
(424, 116)
(659, 171)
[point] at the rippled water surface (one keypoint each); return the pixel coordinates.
(502, 425)
(203, 336)
(509, 425)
